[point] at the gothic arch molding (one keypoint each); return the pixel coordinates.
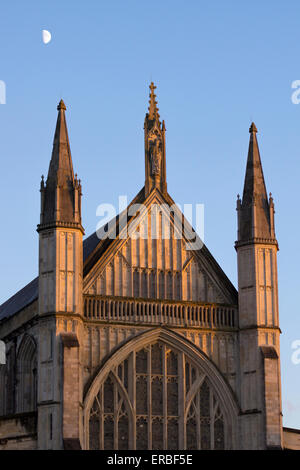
(190, 361)
(26, 374)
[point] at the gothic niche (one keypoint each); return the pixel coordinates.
(155, 152)
(156, 399)
(27, 375)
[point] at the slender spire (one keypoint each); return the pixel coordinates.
(60, 196)
(61, 168)
(254, 210)
(254, 179)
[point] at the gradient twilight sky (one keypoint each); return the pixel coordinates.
(217, 66)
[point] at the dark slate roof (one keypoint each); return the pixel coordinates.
(21, 299)
(89, 244)
(29, 293)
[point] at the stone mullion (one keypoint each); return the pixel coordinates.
(163, 251)
(181, 401)
(131, 267)
(159, 243)
(19, 392)
(226, 343)
(148, 242)
(134, 263)
(211, 415)
(183, 285)
(189, 268)
(116, 417)
(97, 340)
(151, 290)
(102, 423)
(115, 268)
(105, 281)
(140, 279)
(148, 291)
(138, 263)
(170, 242)
(173, 266)
(90, 341)
(132, 396)
(197, 277)
(112, 278)
(122, 275)
(108, 335)
(149, 404)
(157, 254)
(165, 397)
(145, 244)
(198, 416)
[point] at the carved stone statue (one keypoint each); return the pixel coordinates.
(155, 156)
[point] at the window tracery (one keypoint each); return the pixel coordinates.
(156, 399)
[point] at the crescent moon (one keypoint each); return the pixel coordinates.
(46, 35)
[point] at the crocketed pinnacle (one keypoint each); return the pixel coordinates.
(61, 168)
(153, 109)
(254, 222)
(59, 190)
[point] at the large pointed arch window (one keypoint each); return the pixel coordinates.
(156, 398)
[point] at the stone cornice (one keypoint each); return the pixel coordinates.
(256, 241)
(160, 301)
(260, 327)
(60, 224)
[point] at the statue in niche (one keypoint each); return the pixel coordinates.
(155, 156)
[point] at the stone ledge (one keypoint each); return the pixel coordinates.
(69, 340)
(269, 352)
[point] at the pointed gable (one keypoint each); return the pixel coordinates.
(157, 265)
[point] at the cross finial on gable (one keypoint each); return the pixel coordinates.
(153, 109)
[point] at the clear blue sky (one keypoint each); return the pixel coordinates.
(217, 66)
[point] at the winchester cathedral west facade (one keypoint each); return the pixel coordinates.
(128, 340)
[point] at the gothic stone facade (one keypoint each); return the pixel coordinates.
(135, 341)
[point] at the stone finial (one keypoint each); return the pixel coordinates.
(253, 128)
(153, 109)
(61, 105)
